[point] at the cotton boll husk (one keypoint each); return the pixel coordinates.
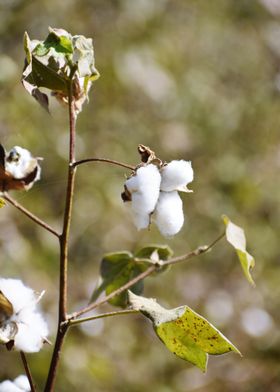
(22, 382)
(169, 216)
(9, 386)
(176, 175)
(18, 294)
(32, 329)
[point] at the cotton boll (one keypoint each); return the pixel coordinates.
(144, 189)
(22, 317)
(141, 221)
(17, 293)
(9, 386)
(22, 382)
(169, 216)
(176, 175)
(20, 162)
(32, 329)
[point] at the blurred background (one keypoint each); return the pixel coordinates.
(194, 80)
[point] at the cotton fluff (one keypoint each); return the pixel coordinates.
(31, 327)
(144, 189)
(19, 163)
(176, 175)
(169, 216)
(20, 384)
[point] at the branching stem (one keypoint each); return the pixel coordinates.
(196, 252)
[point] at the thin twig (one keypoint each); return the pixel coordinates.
(117, 163)
(196, 252)
(64, 245)
(27, 371)
(102, 315)
(33, 217)
(94, 305)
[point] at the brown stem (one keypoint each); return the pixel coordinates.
(114, 293)
(117, 163)
(33, 217)
(27, 371)
(196, 252)
(64, 245)
(102, 315)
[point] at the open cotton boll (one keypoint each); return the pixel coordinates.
(20, 321)
(22, 382)
(176, 175)
(18, 294)
(144, 190)
(20, 163)
(169, 216)
(32, 329)
(145, 184)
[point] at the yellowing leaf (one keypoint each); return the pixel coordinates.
(236, 237)
(2, 203)
(184, 332)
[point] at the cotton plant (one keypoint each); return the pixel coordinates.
(19, 384)
(64, 65)
(153, 189)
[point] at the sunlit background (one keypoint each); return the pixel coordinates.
(193, 79)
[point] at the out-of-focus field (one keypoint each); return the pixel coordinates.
(195, 80)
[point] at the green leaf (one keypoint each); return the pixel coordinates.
(164, 252)
(236, 237)
(184, 332)
(116, 270)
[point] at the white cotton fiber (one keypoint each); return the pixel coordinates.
(176, 175)
(169, 216)
(17, 293)
(144, 189)
(31, 327)
(22, 382)
(9, 386)
(21, 167)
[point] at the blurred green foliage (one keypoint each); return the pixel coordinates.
(194, 80)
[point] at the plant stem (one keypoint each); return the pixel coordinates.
(27, 371)
(102, 315)
(114, 293)
(33, 217)
(117, 163)
(64, 246)
(196, 252)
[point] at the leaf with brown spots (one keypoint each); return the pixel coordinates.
(184, 332)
